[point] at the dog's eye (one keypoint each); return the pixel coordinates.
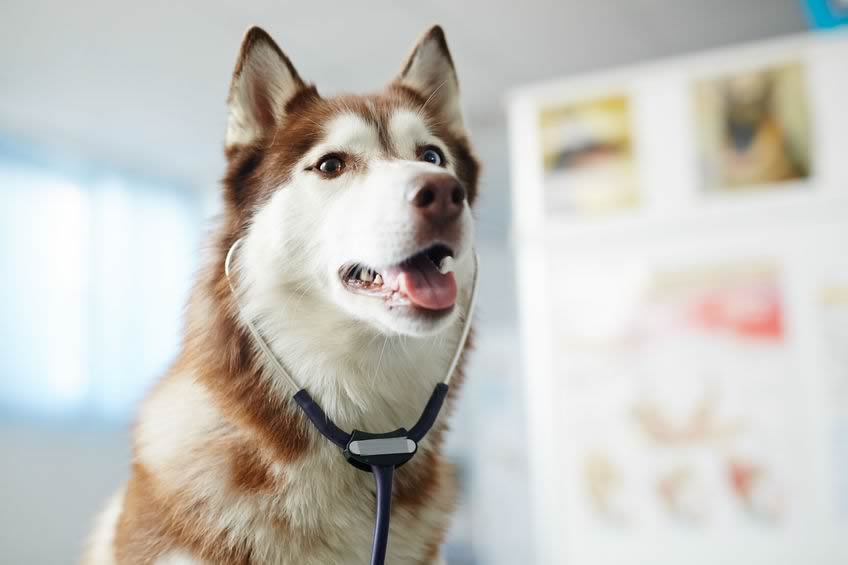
(331, 165)
(433, 155)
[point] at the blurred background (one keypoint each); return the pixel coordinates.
(111, 125)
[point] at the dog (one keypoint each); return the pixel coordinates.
(343, 207)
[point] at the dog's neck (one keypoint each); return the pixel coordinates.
(363, 378)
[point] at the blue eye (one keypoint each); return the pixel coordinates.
(433, 155)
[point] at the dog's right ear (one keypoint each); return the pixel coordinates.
(263, 81)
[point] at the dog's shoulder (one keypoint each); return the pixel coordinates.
(196, 481)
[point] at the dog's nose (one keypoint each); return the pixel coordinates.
(437, 197)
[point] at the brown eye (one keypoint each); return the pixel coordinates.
(331, 165)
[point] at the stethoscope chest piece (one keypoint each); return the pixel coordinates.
(390, 449)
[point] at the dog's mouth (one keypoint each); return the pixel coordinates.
(424, 280)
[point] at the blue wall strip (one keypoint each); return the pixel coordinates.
(825, 14)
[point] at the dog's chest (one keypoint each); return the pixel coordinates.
(323, 511)
(240, 496)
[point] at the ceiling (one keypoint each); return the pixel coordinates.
(142, 85)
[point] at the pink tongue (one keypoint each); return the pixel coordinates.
(423, 284)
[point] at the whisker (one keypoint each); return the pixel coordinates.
(379, 361)
(423, 106)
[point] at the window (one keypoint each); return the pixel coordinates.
(95, 272)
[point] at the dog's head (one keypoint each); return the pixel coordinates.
(361, 203)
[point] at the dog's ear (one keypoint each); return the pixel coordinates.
(429, 70)
(263, 81)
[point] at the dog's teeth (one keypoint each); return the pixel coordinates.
(378, 280)
(446, 265)
(366, 275)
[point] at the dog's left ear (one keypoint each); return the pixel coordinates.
(429, 71)
(263, 81)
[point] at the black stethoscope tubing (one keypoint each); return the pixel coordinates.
(380, 453)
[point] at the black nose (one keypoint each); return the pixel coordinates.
(437, 197)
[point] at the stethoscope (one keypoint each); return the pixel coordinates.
(377, 453)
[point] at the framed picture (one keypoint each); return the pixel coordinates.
(587, 154)
(753, 128)
(678, 404)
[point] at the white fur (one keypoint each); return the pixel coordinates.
(178, 558)
(289, 264)
(407, 130)
(329, 499)
(100, 545)
(347, 132)
(304, 234)
(369, 367)
(177, 418)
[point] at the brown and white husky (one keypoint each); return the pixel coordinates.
(343, 206)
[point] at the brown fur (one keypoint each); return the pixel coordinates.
(263, 429)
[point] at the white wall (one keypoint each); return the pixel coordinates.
(53, 480)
